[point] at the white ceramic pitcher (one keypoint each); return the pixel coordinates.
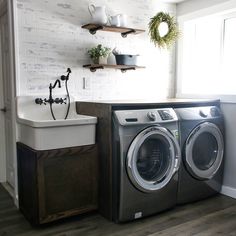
(123, 20)
(114, 20)
(98, 14)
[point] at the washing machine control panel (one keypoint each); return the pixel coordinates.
(209, 112)
(145, 116)
(203, 114)
(152, 116)
(215, 112)
(165, 114)
(195, 113)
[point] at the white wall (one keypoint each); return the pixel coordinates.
(51, 39)
(196, 8)
(196, 5)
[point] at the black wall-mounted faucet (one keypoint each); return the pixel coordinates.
(56, 82)
(40, 101)
(50, 99)
(51, 87)
(66, 77)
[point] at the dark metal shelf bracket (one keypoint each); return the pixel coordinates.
(124, 70)
(124, 34)
(95, 29)
(93, 69)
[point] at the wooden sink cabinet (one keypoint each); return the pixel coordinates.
(55, 184)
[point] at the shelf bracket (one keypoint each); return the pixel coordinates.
(124, 70)
(95, 29)
(124, 34)
(93, 69)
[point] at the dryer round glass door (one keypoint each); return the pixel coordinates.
(204, 151)
(152, 159)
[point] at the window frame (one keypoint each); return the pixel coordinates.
(213, 11)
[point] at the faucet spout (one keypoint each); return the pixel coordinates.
(55, 84)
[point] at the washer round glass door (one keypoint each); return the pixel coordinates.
(204, 151)
(153, 158)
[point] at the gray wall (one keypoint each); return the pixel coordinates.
(229, 111)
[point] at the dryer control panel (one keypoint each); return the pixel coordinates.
(199, 113)
(145, 116)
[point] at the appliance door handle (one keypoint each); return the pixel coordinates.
(4, 109)
(193, 134)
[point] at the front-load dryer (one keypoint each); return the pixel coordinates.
(202, 144)
(146, 158)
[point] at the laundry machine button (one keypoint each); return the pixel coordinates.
(165, 115)
(151, 116)
(202, 114)
(214, 111)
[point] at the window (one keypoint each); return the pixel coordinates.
(229, 62)
(208, 65)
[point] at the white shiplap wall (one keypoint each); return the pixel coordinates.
(51, 39)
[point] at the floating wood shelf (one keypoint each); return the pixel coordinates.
(93, 28)
(123, 68)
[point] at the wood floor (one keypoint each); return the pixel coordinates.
(214, 216)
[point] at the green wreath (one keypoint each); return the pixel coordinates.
(167, 40)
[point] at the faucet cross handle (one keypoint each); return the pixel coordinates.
(40, 101)
(60, 100)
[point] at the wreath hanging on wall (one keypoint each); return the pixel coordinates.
(163, 20)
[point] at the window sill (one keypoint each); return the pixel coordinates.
(224, 99)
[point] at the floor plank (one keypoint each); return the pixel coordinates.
(213, 216)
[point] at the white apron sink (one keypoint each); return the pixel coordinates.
(38, 130)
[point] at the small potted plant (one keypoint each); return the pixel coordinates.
(99, 54)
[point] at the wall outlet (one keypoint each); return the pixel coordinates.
(86, 83)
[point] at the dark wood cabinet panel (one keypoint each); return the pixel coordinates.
(104, 141)
(55, 184)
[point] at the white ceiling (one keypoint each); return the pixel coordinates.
(174, 1)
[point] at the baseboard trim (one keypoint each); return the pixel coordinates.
(228, 191)
(9, 189)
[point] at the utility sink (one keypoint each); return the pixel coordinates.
(38, 130)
